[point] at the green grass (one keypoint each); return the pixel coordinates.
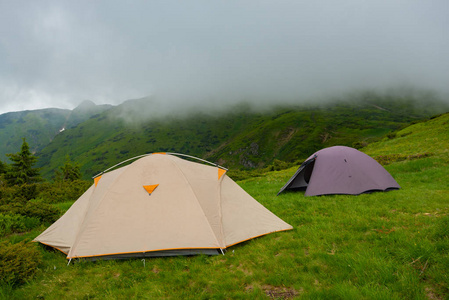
(392, 245)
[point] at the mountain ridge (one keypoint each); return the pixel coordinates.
(239, 138)
(39, 127)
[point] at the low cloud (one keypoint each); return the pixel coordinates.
(59, 53)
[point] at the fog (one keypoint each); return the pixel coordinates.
(201, 53)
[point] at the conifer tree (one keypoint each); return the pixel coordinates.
(2, 167)
(21, 171)
(69, 172)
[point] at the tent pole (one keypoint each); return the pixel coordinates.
(148, 154)
(136, 157)
(69, 262)
(193, 157)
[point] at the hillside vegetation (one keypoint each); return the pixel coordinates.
(384, 245)
(39, 127)
(241, 137)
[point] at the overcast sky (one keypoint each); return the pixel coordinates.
(59, 53)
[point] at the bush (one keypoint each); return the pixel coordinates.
(359, 145)
(391, 135)
(46, 213)
(18, 193)
(56, 192)
(11, 223)
(238, 175)
(26, 191)
(43, 212)
(63, 191)
(391, 158)
(6, 194)
(18, 262)
(278, 165)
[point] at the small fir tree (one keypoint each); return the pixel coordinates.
(69, 172)
(2, 167)
(21, 171)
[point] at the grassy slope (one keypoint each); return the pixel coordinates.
(391, 245)
(39, 127)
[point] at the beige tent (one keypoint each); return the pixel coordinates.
(160, 205)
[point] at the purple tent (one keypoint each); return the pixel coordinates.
(340, 170)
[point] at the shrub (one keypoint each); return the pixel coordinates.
(11, 223)
(18, 193)
(359, 145)
(46, 213)
(63, 191)
(391, 135)
(11, 209)
(41, 211)
(391, 158)
(238, 175)
(278, 165)
(18, 262)
(6, 194)
(26, 191)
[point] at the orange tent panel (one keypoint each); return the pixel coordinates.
(221, 172)
(96, 180)
(150, 188)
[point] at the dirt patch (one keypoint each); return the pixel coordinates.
(245, 271)
(431, 294)
(391, 158)
(276, 292)
(287, 135)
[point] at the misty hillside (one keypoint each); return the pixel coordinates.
(240, 138)
(39, 127)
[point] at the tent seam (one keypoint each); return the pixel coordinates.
(78, 235)
(196, 197)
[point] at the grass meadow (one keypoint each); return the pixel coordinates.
(392, 245)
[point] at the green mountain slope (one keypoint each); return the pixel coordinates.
(430, 137)
(241, 137)
(39, 127)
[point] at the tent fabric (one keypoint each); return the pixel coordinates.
(340, 170)
(191, 211)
